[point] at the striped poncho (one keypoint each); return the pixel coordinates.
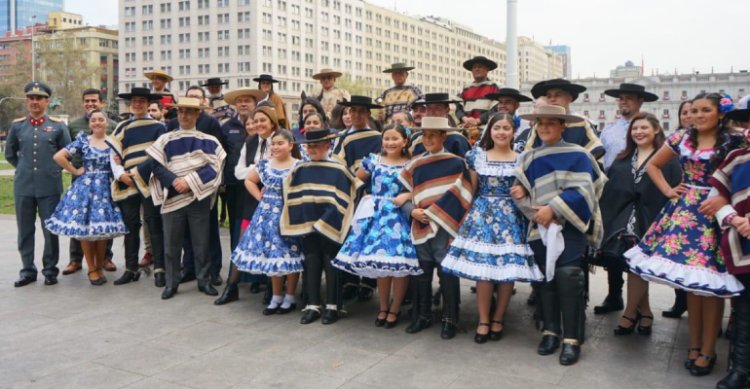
(189, 154)
(319, 197)
(732, 180)
(567, 178)
(441, 185)
(129, 142)
(355, 145)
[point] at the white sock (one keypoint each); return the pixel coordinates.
(275, 301)
(332, 307)
(288, 301)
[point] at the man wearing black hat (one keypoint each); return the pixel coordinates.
(37, 185)
(475, 94)
(400, 96)
(132, 171)
(508, 100)
(438, 105)
(563, 92)
(219, 108)
(630, 97)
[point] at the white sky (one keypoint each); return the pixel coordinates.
(686, 35)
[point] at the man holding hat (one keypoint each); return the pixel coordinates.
(400, 96)
(630, 97)
(330, 94)
(438, 105)
(130, 189)
(562, 93)
(558, 189)
(187, 174)
(37, 185)
(474, 96)
(219, 108)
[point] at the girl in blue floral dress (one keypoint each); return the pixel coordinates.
(87, 212)
(491, 244)
(681, 248)
(262, 249)
(379, 245)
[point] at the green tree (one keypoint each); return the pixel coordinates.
(12, 81)
(354, 87)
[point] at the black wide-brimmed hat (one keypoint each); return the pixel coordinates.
(439, 98)
(360, 101)
(319, 135)
(740, 115)
(265, 77)
(541, 88)
(140, 92)
(490, 64)
(633, 89)
(509, 92)
(398, 67)
(215, 81)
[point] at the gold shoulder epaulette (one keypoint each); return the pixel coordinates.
(56, 119)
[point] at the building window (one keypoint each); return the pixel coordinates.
(665, 97)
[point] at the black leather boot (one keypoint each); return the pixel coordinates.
(231, 293)
(739, 372)
(570, 288)
(128, 277)
(422, 309)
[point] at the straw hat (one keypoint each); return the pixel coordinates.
(190, 102)
(230, 97)
(548, 111)
(158, 73)
(326, 72)
(437, 123)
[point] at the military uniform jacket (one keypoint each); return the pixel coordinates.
(30, 146)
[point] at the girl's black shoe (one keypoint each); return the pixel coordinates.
(620, 330)
(482, 338)
(698, 371)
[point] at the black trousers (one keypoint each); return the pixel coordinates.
(214, 244)
(131, 214)
(319, 251)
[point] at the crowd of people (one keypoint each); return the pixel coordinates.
(381, 194)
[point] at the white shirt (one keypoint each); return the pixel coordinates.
(614, 139)
(242, 169)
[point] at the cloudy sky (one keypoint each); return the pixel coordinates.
(668, 35)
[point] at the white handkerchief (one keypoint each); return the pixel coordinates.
(553, 239)
(366, 208)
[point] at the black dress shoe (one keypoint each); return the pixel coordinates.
(365, 294)
(309, 315)
(160, 279)
(50, 280)
(482, 338)
(127, 277)
(390, 324)
(330, 316)
(216, 280)
(734, 380)
(168, 293)
(208, 290)
(448, 330)
(611, 303)
(284, 311)
(380, 322)
(23, 281)
(231, 293)
(675, 312)
(418, 325)
(699, 371)
(496, 335)
(569, 354)
(187, 277)
(270, 311)
(255, 287)
(548, 345)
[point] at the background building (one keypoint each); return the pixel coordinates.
(292, 40)
(564, 52)
(629, 70)
(671, 89)
(17, 14)
(537, 63)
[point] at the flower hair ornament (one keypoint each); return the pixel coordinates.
(725, 103)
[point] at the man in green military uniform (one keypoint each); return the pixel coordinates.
(92, 99)
(37, 184)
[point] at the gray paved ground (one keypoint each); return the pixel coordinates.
(74, 335)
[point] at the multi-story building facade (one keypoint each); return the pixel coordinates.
(292, 40)
(671, 89)
(18, 14)
(536, 63)
(565, 52)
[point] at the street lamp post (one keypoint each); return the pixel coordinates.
(33, 56)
